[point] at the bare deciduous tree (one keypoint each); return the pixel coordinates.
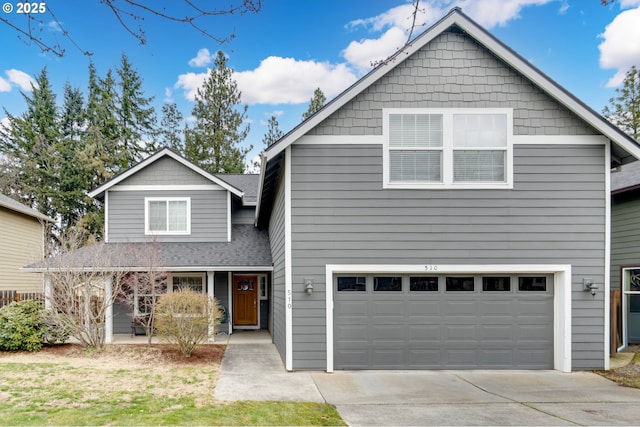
(82, 287)
(141, 290)
(130, 14)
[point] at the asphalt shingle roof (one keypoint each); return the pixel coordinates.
(9, 203)
(249, 247)
(247, 183)
(627, 177)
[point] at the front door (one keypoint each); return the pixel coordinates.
(245, 300)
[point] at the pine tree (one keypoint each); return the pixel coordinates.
(624, 109)
(136, 116)
(273, 132)
(316, 103)
(30, 144)
(171, 127)
(214, 142)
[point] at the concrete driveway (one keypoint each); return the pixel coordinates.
(478, 398)
(254, 371)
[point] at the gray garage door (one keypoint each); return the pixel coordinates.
(443, 322)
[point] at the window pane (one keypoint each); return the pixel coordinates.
(532, 283)
(384, 284)
(157, 216)
(490, 284)
(460, 284)
(479, 130)
(480, 166)
(415, 130)
(423, 284)
(415, 166)
(194, 283)
(177, 215)
(354, 284)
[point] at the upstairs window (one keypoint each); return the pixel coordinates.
(452, 148)
(167, 215)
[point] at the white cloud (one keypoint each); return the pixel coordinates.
(202, 59)
(617, 50)
(362, 54)
(395, 25)
(629, 3)
(5, 86)
(4, 123)
(168, 95)
(564, 7)
(20, 78)
(491, 13)
(279, 81)
(54, 26)
(190, 82)
(289, 81)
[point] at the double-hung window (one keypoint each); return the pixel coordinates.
(448, 148)
(167, 215)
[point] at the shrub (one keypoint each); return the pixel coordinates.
(186, 318)
(26, 325)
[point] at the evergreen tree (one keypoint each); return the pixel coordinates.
(171, 127)
(273, 132)
(624, 110)
(75, 177)
(316, 103)
(213, 143)
(136, 116)
(30, 144)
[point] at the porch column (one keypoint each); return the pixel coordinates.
(211, 291)
(108, 321)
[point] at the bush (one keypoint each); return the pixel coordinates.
(186, 318)
(26, 325)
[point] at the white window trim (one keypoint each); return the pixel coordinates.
(447, 149)
(201, 275)
(166, 199)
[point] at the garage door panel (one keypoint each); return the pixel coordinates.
(421, 333)
(444, 330)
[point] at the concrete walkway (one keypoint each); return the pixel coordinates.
(252, 370)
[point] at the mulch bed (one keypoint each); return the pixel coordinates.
(205, 354)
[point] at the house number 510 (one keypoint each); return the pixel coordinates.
(430, 268)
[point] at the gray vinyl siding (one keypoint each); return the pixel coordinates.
(341, 215)
(242, 214)
(208, 215)
(166, 171)
(277, 239)
(555, 213)
(625, 234)
(453, 71)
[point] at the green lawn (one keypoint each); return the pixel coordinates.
(99, 389)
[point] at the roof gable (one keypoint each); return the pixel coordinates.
(165, 152)
(9, 203)
(629, 148)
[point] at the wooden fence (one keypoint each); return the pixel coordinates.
(7, 297)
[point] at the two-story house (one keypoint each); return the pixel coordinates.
(450, 210)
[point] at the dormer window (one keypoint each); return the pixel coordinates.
(167, 215)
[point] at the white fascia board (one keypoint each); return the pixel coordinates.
(151, 159)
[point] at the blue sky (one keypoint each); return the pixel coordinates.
(289, 48)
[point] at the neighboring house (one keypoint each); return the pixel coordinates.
(22, 239)
(625, 247)
(444, 212)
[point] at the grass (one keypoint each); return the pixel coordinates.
(628, 375)
(108, 389)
